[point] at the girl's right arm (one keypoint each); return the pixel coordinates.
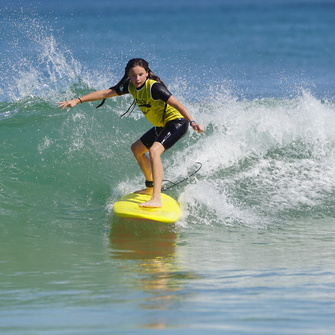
(97, 95)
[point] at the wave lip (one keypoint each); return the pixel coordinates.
(265, 161)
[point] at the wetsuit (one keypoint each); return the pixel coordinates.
(151, 98)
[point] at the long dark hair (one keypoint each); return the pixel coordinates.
(132, 63)
(137, 62)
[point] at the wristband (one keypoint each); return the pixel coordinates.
(80, 100)
(191, 122)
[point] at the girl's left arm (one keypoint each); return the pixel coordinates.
(172, 101)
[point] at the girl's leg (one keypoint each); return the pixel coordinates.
(139, 150)
(157, 171)
(158, 139)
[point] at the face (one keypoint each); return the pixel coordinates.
(138, 75)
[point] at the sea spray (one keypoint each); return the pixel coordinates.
(268, 161)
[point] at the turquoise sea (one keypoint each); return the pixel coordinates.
(254, 251)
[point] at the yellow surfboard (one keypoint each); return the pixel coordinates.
(127, 207)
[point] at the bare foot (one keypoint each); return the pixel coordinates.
(148, 191)
(152, 203)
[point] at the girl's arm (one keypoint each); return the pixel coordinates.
(97, 95)
(172, 101)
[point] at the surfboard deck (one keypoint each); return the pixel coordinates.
(128, 207)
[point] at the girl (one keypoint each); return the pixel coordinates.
(168, 116)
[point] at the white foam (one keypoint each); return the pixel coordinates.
(261, 159)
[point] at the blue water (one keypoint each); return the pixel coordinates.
(254, 250)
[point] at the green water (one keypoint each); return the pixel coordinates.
(116, 276)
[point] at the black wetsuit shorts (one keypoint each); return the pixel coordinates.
(168, 135)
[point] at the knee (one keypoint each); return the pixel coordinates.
(138, 149)
(155, 151)
(133, 148)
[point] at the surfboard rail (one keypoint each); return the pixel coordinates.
(128, 207)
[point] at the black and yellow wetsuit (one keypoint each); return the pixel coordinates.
(151, 98)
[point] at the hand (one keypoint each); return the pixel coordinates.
(67, 103)
(197, 127)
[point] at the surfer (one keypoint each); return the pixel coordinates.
(169, 117)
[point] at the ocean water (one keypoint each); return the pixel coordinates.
(254, 251)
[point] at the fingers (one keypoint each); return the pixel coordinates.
(62, 104)
(66, 104)
(198, 128)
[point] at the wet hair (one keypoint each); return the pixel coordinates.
(137, 62)
(132, 63)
